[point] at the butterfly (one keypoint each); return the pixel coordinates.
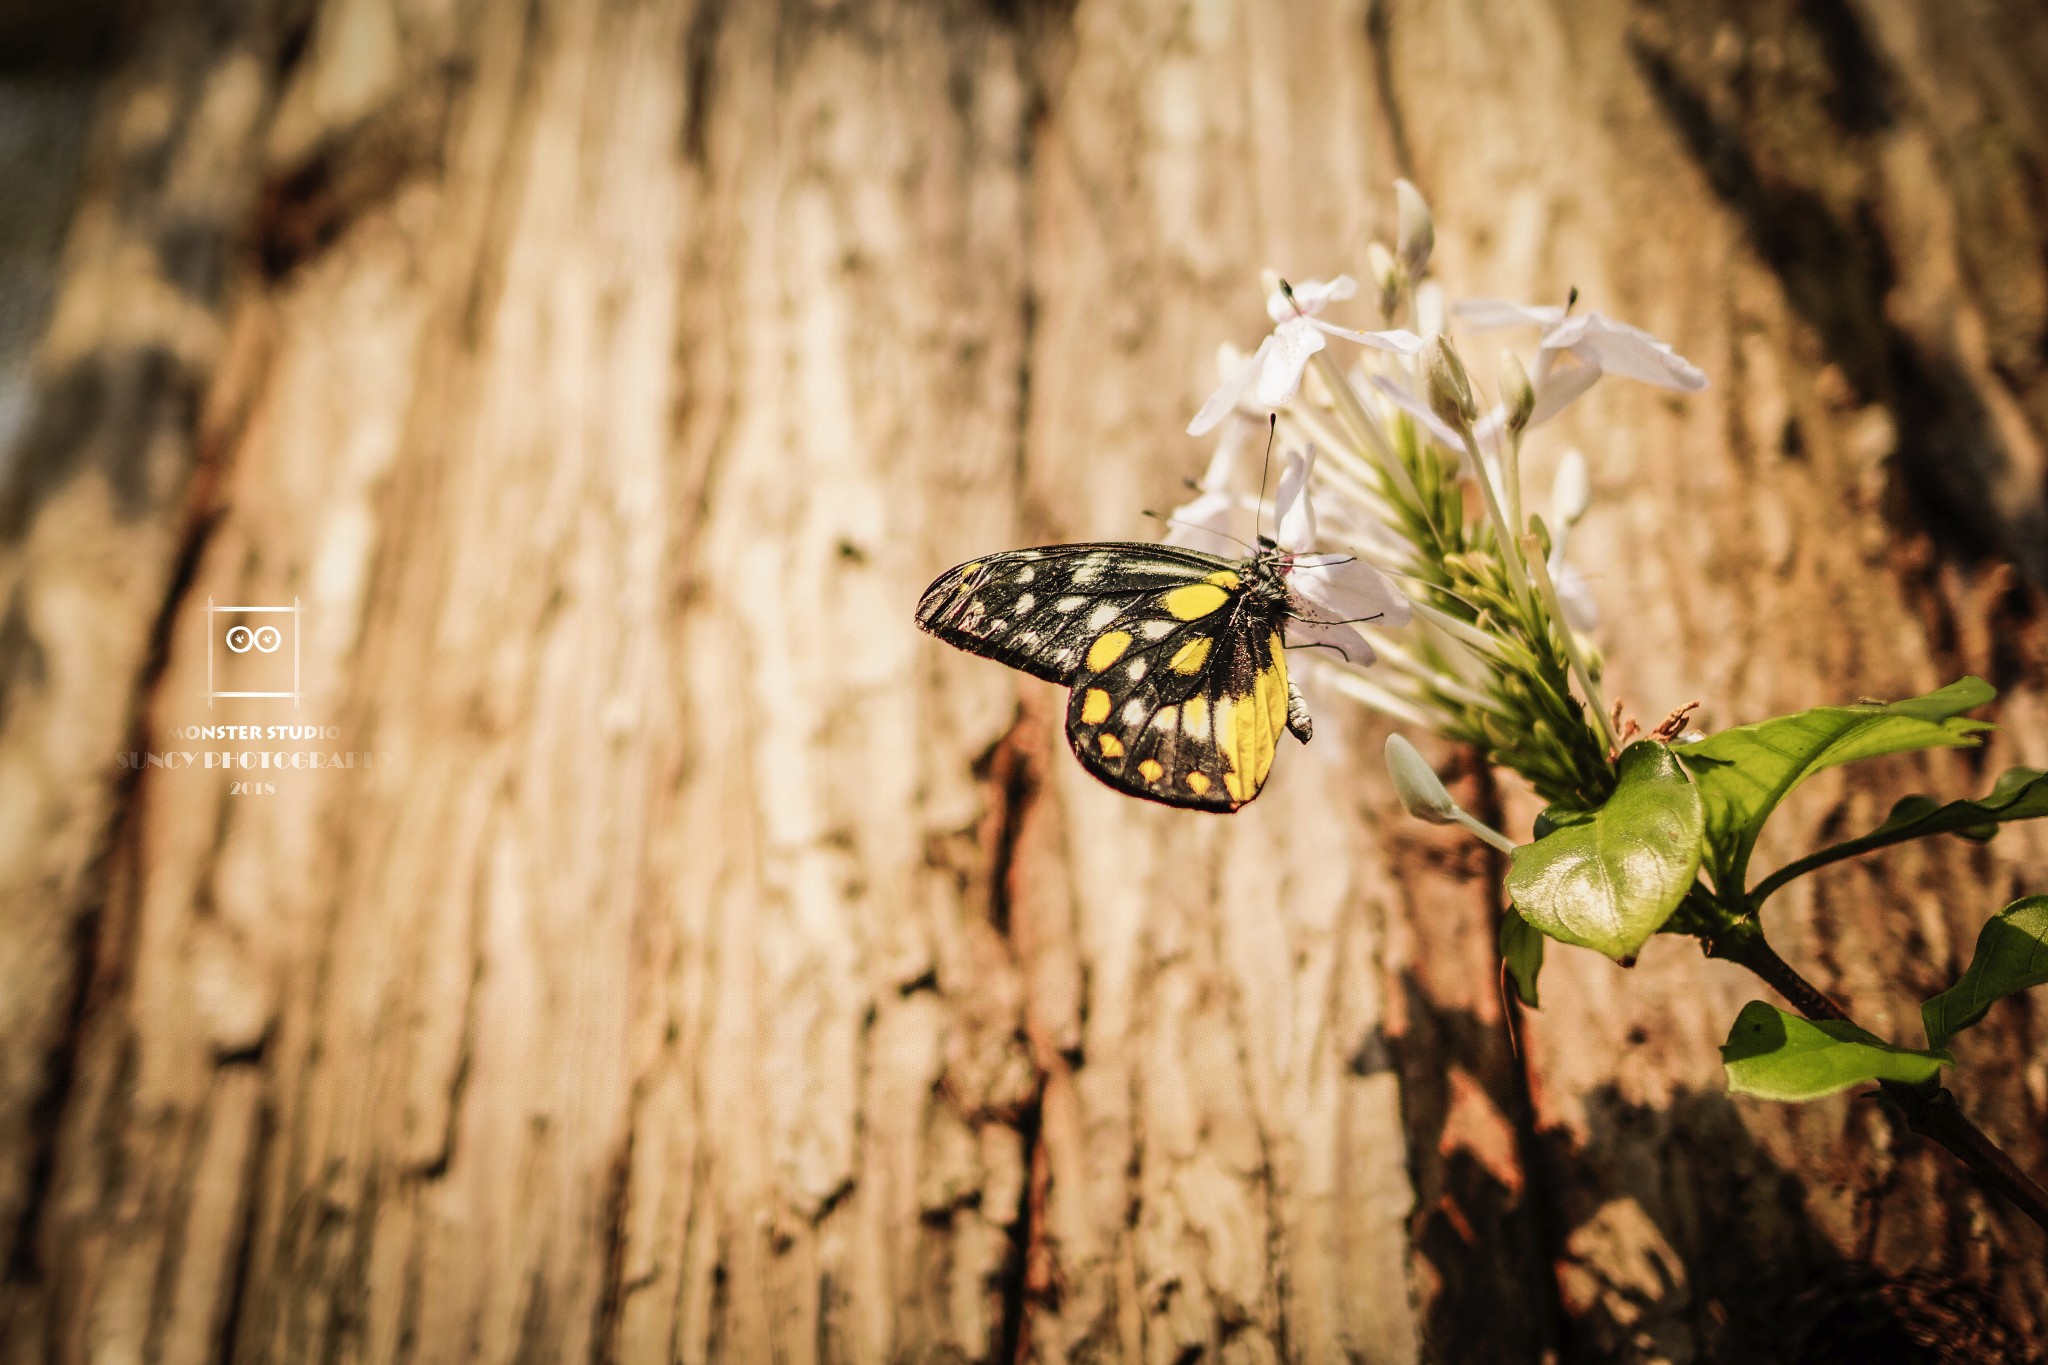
(1175, 657)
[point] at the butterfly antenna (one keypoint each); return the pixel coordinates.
(1272, 429)
(1191, 525)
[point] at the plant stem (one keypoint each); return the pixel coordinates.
(1932, 1115)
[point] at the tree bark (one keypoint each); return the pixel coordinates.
(708, 965)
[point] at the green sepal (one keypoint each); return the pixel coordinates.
(2012, 955)
(1745, 772)
(2019, 794)
(1774, 1055)
(1521, 948)
(1607, 879)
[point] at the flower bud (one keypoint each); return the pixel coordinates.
(1386, 278)
(1450, 388)
(1517, 394)
(1415, 782)
(1572, 492)
(1417, 230)
(1429, 309)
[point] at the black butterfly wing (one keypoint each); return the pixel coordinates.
(1041, 610)
(1187, 712)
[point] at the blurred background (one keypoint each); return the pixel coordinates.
(674, 954)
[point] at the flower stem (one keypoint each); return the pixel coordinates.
(1935, 1116)
(1370, 434)
(1510, 543)
(1595, 702)
(1480, 830)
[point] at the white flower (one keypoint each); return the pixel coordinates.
(1595, 344)
(1298, 334)
(1571, 493)
(1327, 594)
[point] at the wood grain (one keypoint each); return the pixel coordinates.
(721, 970)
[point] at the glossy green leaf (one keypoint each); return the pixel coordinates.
(1745, 772)
(1778, 1056)
(1606, 882)
(2012, 955)
(2020, 794)
(1521, 948)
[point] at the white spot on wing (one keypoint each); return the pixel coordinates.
(1157, 630)
(1136, 671)
(1090, 569)
(1026, 575)
(1026, 602)
(1103, 615)
(1134, 712)
(1068, 603)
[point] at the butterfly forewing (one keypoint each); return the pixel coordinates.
(1174, 656)
(1040, 610)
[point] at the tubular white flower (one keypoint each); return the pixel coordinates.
(1598, 344)
(1276, 366)
(1571, 492)
(1328, 594)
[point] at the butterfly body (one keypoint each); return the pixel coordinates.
(1174, 657)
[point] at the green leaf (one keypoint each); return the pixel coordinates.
(1521, 948)
(1607, 880)
(2012, 954)
(2020, 794)
(1778, 1056)
(1745, 772)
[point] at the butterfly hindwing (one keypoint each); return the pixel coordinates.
(1190, 716)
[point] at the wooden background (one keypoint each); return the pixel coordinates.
(725, 971)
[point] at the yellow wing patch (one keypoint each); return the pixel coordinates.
(1248, 729)
(1194, 601)
(1107, 649)
(1190, 657)
(1095, 707)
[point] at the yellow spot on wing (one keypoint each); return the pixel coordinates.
(1112, 747)
(1247, 729)
(1198, 783)
(1107, 649)
(1190, 657)
(1151, 770)
(1094, 707)
(1224, 578)
(1194, 714)
(1194, 601)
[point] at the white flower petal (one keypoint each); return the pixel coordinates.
(1293, 511)
(1399, 340)
(1429, 308)
(1221, 403)
(1205, 524)
(1228, 461)
(1311, 295)
(1420, 411)
(1630, 352)
(1581, 608)
(1286, 354)
(1339, 588)
(1571, 492)
(1485, 315)
(1559, 387)
(1345, 641)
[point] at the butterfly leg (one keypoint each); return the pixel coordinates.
(1297, 713)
